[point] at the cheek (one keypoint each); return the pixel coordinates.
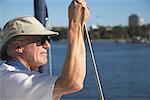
(36, 56)
(31, 53)
(41, 57)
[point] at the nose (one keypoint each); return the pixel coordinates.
(46, 44)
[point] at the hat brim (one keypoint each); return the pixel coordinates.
(3, 54)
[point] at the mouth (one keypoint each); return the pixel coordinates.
(44, 53)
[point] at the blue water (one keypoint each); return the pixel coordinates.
(124, 70)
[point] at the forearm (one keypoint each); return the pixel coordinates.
(74, 66)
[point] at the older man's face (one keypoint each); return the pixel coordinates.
(35, 51)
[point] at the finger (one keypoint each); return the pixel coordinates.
(82, 2)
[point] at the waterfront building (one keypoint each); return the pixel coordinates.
(135, 21)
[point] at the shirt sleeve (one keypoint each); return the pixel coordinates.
(31, 87)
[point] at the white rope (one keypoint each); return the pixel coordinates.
(94, 64)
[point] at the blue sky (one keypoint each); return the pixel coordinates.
(103, 12)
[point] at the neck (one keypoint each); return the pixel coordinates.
(24, 62)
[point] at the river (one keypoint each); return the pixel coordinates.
(124, 70)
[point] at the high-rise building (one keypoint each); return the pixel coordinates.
(135, 20)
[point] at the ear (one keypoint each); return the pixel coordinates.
(19, 48)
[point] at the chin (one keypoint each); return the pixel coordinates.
(41, 64)
(44, 61)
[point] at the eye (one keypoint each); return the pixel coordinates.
(43, 39)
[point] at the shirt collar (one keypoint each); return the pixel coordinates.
(17, 64)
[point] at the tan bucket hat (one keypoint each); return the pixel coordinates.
(22, 26)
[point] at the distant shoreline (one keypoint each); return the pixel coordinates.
(113, 40)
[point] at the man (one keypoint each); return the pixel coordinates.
(24, 46)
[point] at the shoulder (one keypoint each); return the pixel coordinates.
(10, 73)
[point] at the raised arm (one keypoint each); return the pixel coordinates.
(74, 68)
